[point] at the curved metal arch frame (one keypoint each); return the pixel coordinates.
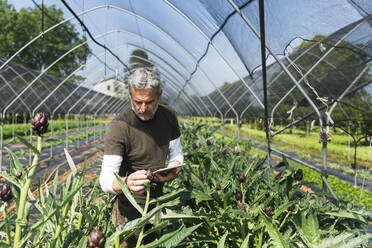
(51, 65)
(317, 63)
(174, 69)
(216, 49)
(171, 56)
(82, 13)
(92, 60)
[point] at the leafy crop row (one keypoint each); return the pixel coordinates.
(223, 197)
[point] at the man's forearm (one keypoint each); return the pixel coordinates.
(116, 186)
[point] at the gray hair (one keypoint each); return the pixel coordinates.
(144, 78)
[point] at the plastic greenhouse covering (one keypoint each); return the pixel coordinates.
(214, 67)
(244, 73)
(317, 59)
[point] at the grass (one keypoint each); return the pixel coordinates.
(298, 142)
(59, 127)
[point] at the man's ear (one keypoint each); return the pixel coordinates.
(160, 94)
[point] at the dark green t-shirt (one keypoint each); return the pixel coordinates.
(142, 144)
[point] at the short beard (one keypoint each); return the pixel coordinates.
(141, 118)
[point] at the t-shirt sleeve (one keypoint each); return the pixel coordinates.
(116, 139)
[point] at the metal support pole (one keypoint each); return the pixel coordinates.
(238, 127)
(66, 118)
(348, 141)
(1, 141)
(86, 129)
(51, 134)
(29, 150)
(264, 76)
(24, 123)
(13, 125)
(223, 126)
(78, 141)
(94, 128)
(324, 167)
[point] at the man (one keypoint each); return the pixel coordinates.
(138, 139)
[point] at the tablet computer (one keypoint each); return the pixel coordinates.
(167, 168)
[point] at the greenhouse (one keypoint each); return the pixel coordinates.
(265, 106)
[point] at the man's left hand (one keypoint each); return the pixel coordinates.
(172, 174)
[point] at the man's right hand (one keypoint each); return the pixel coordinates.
(135, 181)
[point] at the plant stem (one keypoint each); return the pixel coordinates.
(80, 222)
(141, 236)
(24, 192)
(6, 221)
(285, 218)
(117, 241)
(260, 239)
(61, 221)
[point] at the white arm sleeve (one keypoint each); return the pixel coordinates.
(175, 150)
(110, 165)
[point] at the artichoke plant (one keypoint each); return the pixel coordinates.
(39, 123)
(6, 193)
(96, 239)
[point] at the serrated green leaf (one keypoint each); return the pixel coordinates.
(10, 178)
(128, 194)
(348, 215)
(70, 238)
(30, 146)
(70, 162)
(274, 234)
(15, 165)
(168, 196)
(221, 242)
(246, 241)
(201, 196)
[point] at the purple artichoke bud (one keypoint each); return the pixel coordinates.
(149, 175)
(291, 208)
(241, 177)
(238, 194)
(268, 212)
(299, 175)
(241, 207)
(223, 151)
(6, 193)
(188, 156)
(40, 123)
(201, 177)
(209, 143)
(194, 146)
(286, 191)
(218, 186)
(277, 176)
(96, 239)
(19, 174)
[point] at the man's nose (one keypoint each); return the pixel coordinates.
(143, 107)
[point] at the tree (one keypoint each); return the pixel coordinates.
(18, 28)
(136, 62)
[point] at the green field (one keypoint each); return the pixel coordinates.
(59, 127)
